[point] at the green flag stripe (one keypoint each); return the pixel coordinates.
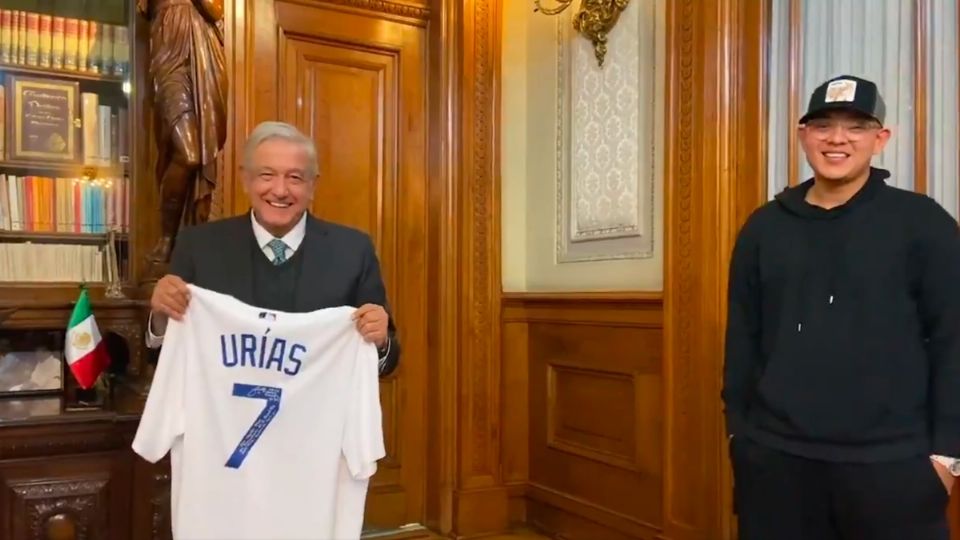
(80, 311)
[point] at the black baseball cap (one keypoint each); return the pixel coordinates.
(848, 93)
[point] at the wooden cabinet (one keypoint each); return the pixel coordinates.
(76, 206)
(67, 472)
(68, 475)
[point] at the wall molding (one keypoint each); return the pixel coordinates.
(481, 245)
(629, 308)
(388, 7)
(625, 296)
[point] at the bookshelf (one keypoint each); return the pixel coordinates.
(71, 129)
(65, 141)
(73, 122)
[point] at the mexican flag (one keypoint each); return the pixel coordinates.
(85, 351)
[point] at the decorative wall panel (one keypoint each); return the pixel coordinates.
(605, 140)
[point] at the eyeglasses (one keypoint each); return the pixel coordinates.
(854, 131)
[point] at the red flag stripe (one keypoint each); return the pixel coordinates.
(88, 367)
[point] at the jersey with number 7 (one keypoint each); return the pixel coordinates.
(272, 421)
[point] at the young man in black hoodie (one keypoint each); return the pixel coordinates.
(842, 369)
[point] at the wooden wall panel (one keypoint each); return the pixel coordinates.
(346, 100)
(594, 410)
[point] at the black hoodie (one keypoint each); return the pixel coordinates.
(843, 336)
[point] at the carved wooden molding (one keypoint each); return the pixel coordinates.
(82, 502)
(680, 334)
(386, 6)
(465, 468)
(480, 370)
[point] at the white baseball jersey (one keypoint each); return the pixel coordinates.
(272, 421)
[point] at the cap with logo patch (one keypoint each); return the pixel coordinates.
(846, 93)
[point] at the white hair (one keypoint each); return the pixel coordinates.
(280, 130)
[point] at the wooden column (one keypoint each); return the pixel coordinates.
(466, 495)
(715, 175)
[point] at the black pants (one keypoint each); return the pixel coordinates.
(783, 497)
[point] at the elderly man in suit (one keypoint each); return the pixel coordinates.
(278, 256)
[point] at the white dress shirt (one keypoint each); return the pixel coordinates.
(292, 240)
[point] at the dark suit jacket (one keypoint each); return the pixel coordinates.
(340, 267)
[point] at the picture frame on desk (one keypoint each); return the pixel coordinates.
(42, 119)
(31, 372)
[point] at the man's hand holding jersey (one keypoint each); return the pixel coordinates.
(170, 299)
(372, 324)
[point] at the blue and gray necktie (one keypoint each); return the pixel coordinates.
(279, 251)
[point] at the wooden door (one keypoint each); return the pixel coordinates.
(355, 82)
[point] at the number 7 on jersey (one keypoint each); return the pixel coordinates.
(272, 396)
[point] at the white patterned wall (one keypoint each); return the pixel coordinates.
(605, 134)
(872, 39)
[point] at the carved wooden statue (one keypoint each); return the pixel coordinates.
(188, 71)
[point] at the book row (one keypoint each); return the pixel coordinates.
(49, 41)
(26, 261)
(64, 205)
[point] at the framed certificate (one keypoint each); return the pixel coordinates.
(42, 119)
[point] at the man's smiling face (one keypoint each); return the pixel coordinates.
(279, 184)
(840, 144)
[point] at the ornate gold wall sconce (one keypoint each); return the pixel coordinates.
(594, 20)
